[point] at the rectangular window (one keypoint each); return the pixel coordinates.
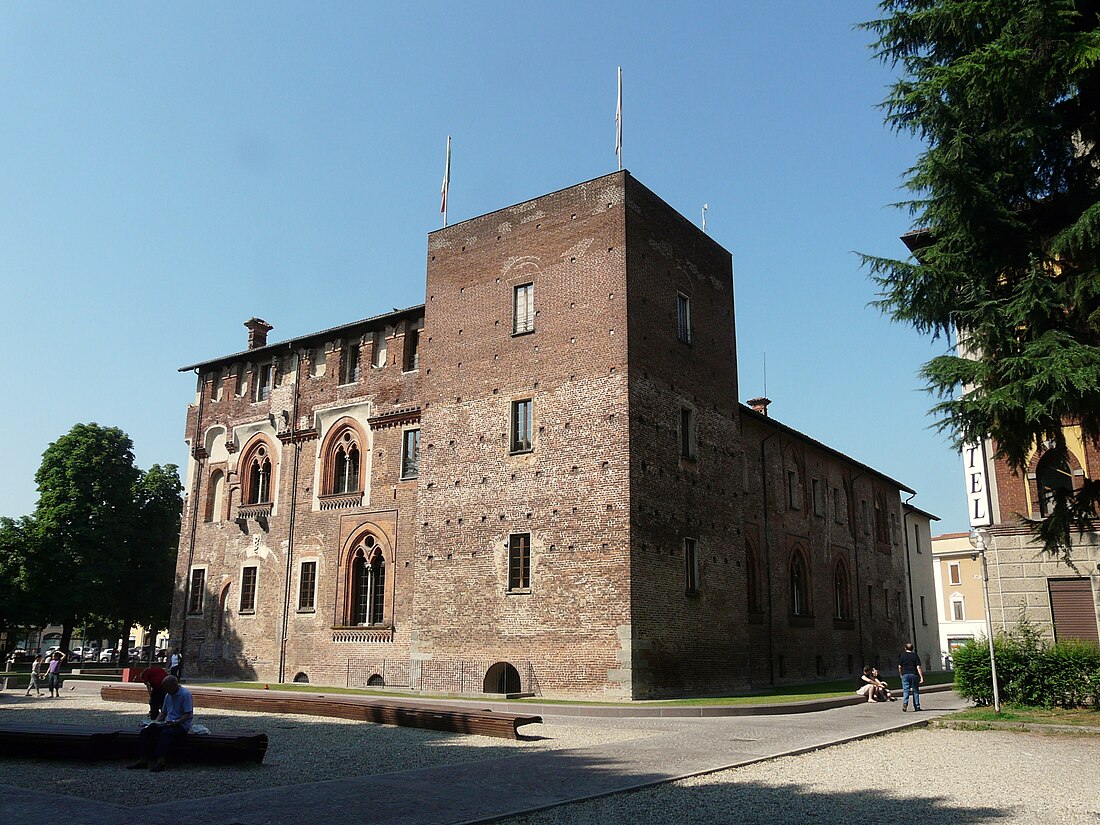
(412, 350)
(519, 561)
(683, 317)
(198, 592)
(523, 309)
(923, 616)
(378, 357)
(792, 489)
(893, 528)
(687, 433)
(954, 573)
(838, 505)
(886, 602)
(261, 390)
(349, 364)
(521, 426)
(870, 601)
(897, 603)
(865, 517)
(819, 500)
(691, 566)
(307, 586)
(410, 454)
(248, 590)
(957, 611)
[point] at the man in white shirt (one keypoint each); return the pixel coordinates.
(176, 715)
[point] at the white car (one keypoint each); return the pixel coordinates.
(108, 655)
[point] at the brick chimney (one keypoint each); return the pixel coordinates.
(257, 332)
(760, 405)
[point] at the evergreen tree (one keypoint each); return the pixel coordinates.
(1005, 94)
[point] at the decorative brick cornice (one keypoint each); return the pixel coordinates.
(396, 418)
(295, 436)
(359, 635)
(341, 501)
(199, 452)
(254, 512)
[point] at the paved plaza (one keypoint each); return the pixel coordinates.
(676, 769)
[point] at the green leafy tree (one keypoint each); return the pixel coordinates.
(18, 608)
(84, 517)
(1004, 94)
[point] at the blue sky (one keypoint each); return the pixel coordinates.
(169, 170)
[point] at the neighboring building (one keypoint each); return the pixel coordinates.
(540, 481)
(925, 618)
(960, 603)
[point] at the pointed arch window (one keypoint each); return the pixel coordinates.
(257, 474)
(842, 591)
(800, 586)
(752, 581)
(215, 497)
(343, 455)
(1052, 474)
(367, 584)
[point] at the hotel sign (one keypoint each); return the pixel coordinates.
(977, 485)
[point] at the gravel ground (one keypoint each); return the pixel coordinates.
(928, 776)
(301, 749)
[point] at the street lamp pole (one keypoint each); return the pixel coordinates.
(977, 541)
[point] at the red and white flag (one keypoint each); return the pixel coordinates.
(446, 181)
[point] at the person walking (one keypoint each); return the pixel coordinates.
(53, 683)
(36, 674)
(175, 663)
(912, 677)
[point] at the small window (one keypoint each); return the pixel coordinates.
(410, 454)
(691, 565)
(886, 602)
(800, 587)
(378, 358)
(349, 364)
(412, 350)
(792, 489)
(683, 317)
(198, 592)
(870, 601)
(818, 496)
(923, 616)
(687, 433)
(916, 538)
(265, 375)
(307, 586)
(954, 573)
(523, 309)
(865, 517)
(521, 426)
(248, 590)
(519, 561)
(842, 600)
(958, 613)
(838, 506)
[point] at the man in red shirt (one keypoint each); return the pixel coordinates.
(153, 677)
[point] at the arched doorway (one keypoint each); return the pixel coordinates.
(502, 678)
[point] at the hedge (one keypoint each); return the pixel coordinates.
(1030, 670)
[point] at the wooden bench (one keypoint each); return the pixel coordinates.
(86, 743)
(431, 717)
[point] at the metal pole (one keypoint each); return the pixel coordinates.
(989, 627)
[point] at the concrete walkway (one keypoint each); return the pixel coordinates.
(477, 791)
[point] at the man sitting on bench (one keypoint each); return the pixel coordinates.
(173, 723)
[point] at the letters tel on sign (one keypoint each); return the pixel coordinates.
(977, 486)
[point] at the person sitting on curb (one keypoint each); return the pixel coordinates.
(883, 693)
(173, 723)
(868, 684)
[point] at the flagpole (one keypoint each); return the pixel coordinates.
(619, 122)
(446, 182)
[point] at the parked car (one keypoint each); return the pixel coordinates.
(108, 655)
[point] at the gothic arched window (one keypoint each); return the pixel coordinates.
(257, 474)
(367, 584)
(800, 586)
(1052, 473)
(842, 591)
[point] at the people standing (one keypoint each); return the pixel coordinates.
(53, 683)
(175, 663)
(36, 674)
(154, 677)
(171, 725)
(912, 677)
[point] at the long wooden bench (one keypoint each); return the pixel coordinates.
(86, 743)
(431, 717)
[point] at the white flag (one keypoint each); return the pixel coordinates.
(619, 121)
(446, 181)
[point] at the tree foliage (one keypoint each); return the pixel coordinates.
(1004, 94)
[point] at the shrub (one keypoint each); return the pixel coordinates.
(1073, 665)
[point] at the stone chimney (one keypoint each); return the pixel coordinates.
(760, 405)
(257, 332)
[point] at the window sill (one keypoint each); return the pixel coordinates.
(307, 610)
(522, 591)
(246, 612)
(524, 451)
(523, 332)
(407, 372)
(693, 593)
(409, 478)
